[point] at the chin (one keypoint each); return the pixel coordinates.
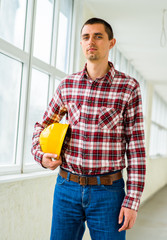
(93, 57)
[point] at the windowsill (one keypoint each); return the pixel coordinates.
(26, 176)
(157, 157)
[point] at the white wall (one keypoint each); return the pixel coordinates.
(26, 209)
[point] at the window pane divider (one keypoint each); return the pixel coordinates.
(159, 125)
(47, 68)
(13, 52)
(56, 8)
(27, 88)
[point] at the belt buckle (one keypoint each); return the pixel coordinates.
(82, 180)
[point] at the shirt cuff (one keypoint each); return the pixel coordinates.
(131, 203)
(38, 158)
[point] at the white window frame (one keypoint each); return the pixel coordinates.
(156, 150)
(26, 57)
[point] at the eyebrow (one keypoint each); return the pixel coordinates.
(96, 34)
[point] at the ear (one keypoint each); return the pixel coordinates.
(112, 43)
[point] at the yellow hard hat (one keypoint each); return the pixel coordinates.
(52, 137)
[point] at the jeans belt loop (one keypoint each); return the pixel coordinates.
(98, 180)
(86, 181)
(68, 176)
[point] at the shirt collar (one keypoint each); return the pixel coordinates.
(109, 76)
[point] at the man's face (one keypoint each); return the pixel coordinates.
(95, 42)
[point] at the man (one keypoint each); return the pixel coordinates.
(103, 108)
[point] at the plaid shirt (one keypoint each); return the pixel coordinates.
(106, 124)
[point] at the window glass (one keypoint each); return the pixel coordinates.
(165, 123)
(158, 109)
(131, 70)
(64, 29)
(112, 55)
(135, 74)
(43, 30)
(143, 87)
(154, 107)
(9, 105)
(12, 21)
(57, 83)
(37, 107)
(158, 139)
(162, 113)
(154, 140)
(124, 64)
(144, 95)
(118, 60)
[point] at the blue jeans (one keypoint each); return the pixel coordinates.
(99, 205)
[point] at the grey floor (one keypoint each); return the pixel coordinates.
(151, 223)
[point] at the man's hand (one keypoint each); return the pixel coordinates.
(49, 163)
(129, 218)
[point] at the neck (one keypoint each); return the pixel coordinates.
(97, 70)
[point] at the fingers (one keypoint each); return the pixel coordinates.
(50, 155)
(129, 216)
(121, 215)
(124, 226)
(127, 225)
(130, 225)
(54, 164)
(47, 161)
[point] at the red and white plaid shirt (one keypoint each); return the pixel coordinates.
(106, 124)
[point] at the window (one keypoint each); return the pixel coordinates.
(12, 21)
(131, 70)
(158, 138)
(37, 107)
(9, 105)
(43, 30)
(122, 64)
(118, 60)
(63, 35)
(143, 87)
(112, 55)
(33, 60)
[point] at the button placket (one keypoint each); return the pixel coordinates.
(85, 121)
(90, 100)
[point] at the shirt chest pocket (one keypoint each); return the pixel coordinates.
(74, 112)
(109, 118)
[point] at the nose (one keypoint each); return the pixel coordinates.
(91, 40)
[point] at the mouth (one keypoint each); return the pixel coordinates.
(92, 49)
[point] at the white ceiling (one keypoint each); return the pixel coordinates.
(137, 26)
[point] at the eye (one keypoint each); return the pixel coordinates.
(98, 37)
(85, 37)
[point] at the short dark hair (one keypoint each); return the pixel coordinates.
(107, 26)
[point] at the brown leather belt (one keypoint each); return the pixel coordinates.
(82, 180)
